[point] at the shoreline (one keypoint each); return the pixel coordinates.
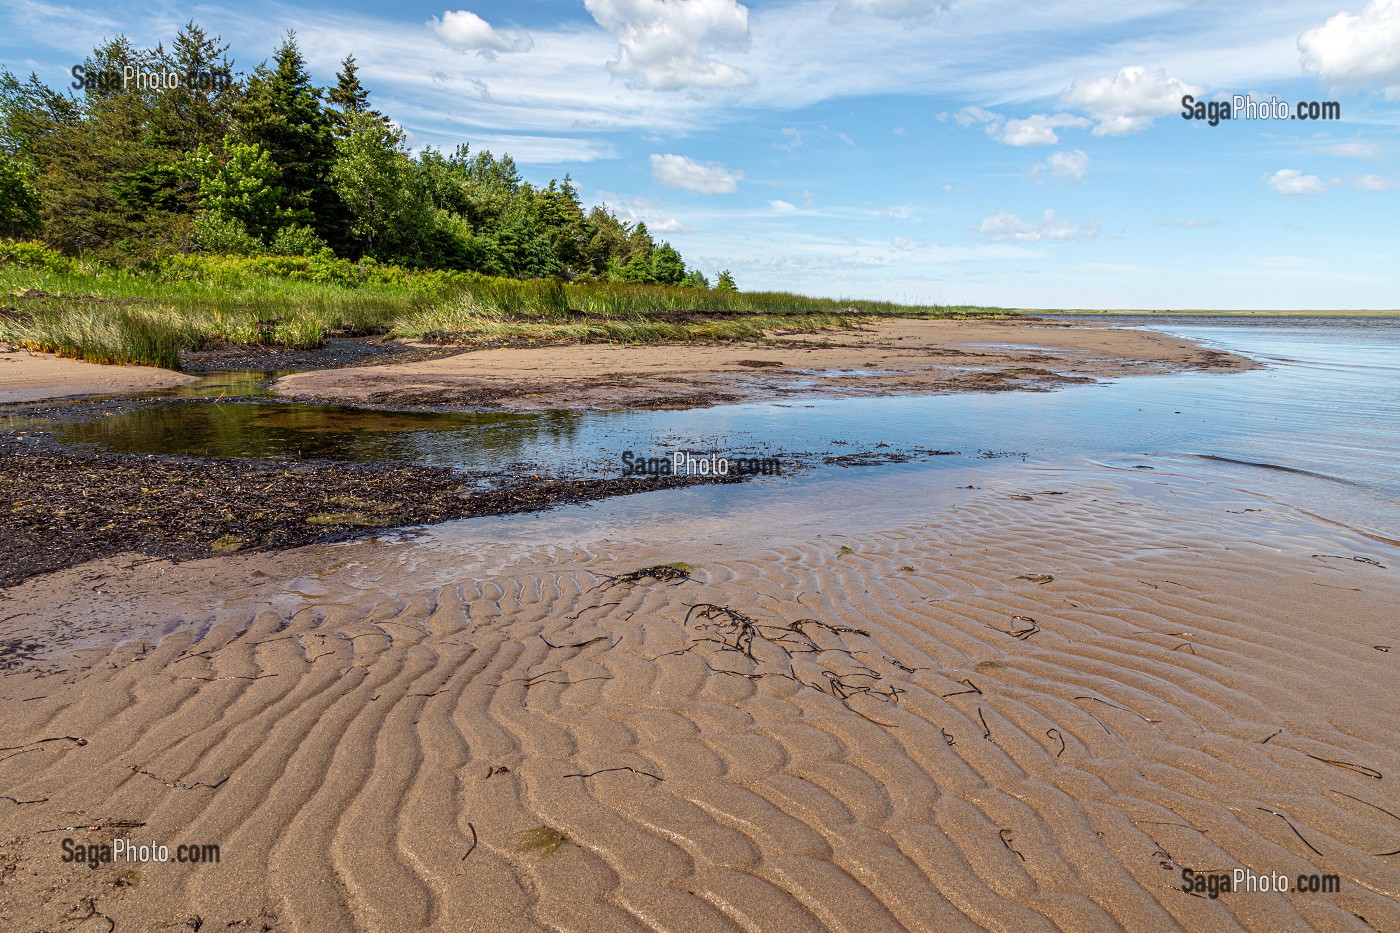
(1206, 312)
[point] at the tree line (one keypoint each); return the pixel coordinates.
(130, 162)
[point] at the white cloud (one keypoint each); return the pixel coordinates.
(1069, 166)
(677, 171)
(1357, 50)
(463, 29)
(970, 116)
(1006, 225)
(543, 150)
(1293, 183)
(1356, 149)
(1129, 101)
(1376, 183)
(667, 43)
(1036, 130)
(1187, 224)
(783, 207)
(894, 9)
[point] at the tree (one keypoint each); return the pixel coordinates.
(19, 201)
(347, 97)
(667, 267)
(281, 112)
(240, 183)
(390, 214)
(726, 282)
(104, 182)
(198, 111)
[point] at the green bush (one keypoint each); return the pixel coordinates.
(35, 256)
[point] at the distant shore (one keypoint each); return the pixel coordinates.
(1148, 312)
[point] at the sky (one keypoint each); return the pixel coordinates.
(934, 151)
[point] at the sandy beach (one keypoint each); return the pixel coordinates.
(884, 357)
(32, 377)
(1028, 705)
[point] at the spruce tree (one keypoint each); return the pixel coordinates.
(281, 111)
(348, 97)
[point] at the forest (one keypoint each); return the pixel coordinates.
(151, 153)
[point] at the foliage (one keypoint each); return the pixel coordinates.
(225, 162)
(19, 201)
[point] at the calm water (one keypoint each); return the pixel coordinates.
(1320, 425)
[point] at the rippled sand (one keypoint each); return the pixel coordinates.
(919, 731)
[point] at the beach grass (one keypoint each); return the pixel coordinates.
(149, 314)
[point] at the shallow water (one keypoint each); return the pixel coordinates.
(1319, 425)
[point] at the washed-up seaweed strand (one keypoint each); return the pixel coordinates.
(1055, 734)
(473, 845)
(1359, 769)
(1373, 807)
(624, 768)
(1292, 827)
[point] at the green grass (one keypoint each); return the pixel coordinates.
(105, 314)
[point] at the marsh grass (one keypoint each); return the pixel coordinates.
(106, 314)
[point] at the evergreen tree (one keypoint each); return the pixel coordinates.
(197, 112)
(726, 282)
(281, 112)
(347, 97)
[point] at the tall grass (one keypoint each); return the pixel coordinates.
(150, 314)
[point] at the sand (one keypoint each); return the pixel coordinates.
(886, 357)
(949, 741)
(34, 377)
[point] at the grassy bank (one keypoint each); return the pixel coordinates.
(150, 313)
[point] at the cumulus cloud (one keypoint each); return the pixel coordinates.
(1357, 50)
(1356, 149)
(463, 29)
(1006, 225)
(893, 9)
(1376, 183)
(1038, 129)
(683, 172)
(1069, 166)
(1293, 183)
(1187, 224)
(1129, 101)
(667, 44)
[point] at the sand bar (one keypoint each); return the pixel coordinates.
(885, 357)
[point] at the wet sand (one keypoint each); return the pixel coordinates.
(32, 377)
(885, 357)
(1026, 707)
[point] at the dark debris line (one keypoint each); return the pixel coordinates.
(60, 508)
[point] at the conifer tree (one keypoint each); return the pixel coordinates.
(281, 111)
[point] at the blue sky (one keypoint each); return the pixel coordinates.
(958, 151)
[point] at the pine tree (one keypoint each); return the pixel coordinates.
(726, 282)
(281, 111)
(347, 97)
